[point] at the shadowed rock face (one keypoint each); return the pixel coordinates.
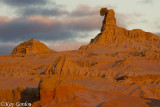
(31, 47)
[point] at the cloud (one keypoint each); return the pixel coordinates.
(6, 47)
(121, 19)
(22, 3)
(158, 34)
(157, 23)
(62, 31)
(84, 10)
(45, 28)
(5, 50)
(45, 10)
(56, 28)
(125, 20)
(59, 33)
(64, 46)
(147, 1)
(36, 11)
(35, 7)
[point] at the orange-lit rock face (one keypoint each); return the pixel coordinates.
(31, 47)
(120, 39)
(59, 93)
(119, 68)
(56, 91)
(109, 20)
(62, 66)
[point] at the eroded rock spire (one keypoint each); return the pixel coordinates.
(109, 18)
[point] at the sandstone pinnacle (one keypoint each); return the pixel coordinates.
(109, 19)
(113, 37)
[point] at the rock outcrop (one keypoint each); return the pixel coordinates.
(56, 89)
(60, 93)
(118, 68)
(120, 39)
(31, 47)
(62, 66)
(109, 20)
(65, 67)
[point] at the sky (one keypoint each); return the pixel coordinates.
(68, 24)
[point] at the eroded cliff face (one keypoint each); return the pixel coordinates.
(62, 66)
(31, 47)
(118, 66)
(114, 38)
(55, 92)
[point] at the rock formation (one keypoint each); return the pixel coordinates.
(31, 47)
(62, 66)
(60, 93)
(119, 68)
(120, 39)
(66, 67)
(57, 89)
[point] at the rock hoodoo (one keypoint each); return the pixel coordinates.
(109, 18)
(113, 37)
(31, 47)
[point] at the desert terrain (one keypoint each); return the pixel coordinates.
(118, 68)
